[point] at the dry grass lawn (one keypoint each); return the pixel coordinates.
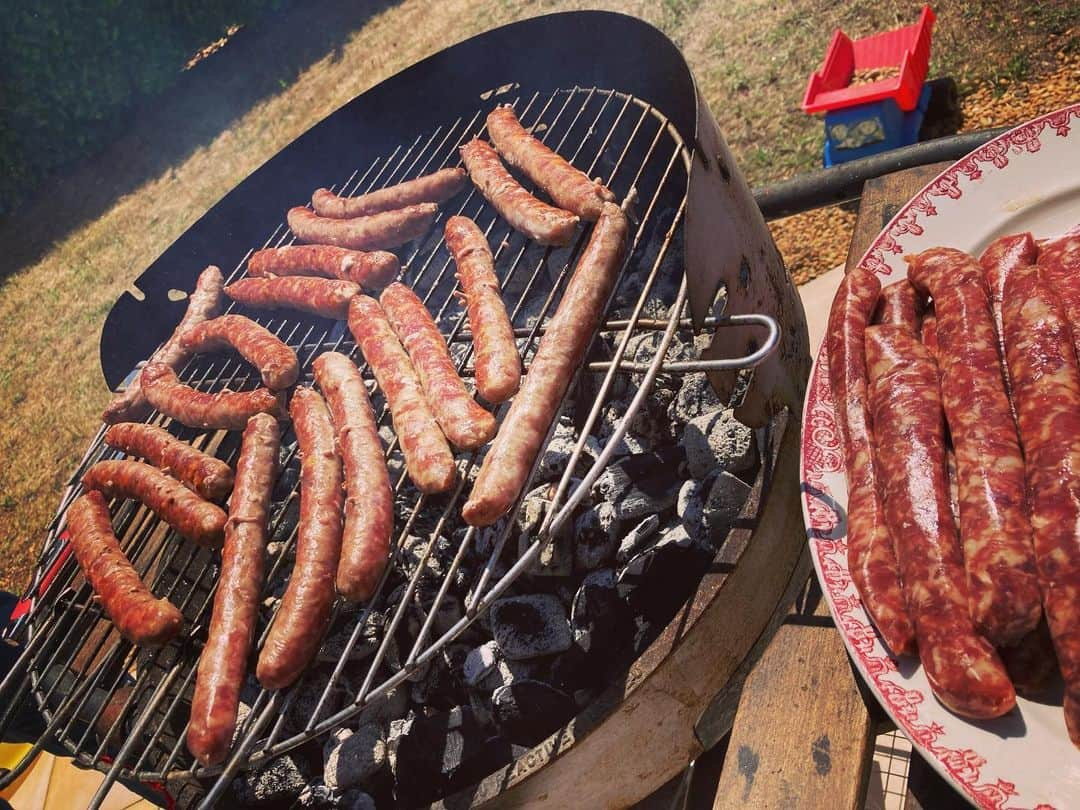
(68, 255)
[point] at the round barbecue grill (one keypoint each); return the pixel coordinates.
(615, 97)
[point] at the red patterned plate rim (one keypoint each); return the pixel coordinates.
(989, 764)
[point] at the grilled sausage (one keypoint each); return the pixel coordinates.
(1046, 387)
(304, 613)
(212, 478)
(570, 188)
(508, 462)
(498, 364)
(994, 530)
(463, 421)
(382, 231)
(871, 552)
(236, 603)
(131, 405)
(373, 270)
(539, 221)
(191, 516)
(369, 500)
(437, 187)
(139, 616)
(225, 410)
(1059, 265)
(899, 304)
(428, 458)
(328, 298)
(964, 672)
(258, 345)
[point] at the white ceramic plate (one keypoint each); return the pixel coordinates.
(1026, 179)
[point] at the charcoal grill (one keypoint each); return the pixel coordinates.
(614, 96)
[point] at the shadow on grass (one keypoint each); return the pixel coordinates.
(259, 61)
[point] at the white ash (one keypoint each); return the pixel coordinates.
(708, 508)
(635, 539)
(506, 672)
(556, 456)
(480, 661)
(641, 484)
(530, 626)
(350, 758)
(556, 556)
(595, 537)
(696, 397)
(718, 441)
(279, 781)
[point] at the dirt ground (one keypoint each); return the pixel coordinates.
(90, 232)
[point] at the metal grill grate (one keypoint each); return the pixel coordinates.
(97, 692)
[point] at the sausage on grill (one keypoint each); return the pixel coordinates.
(225, 410)
(1046, 388)
(437, 187)
(191, 516)
(369, 500)
(276, 362)
(373, 270)
(382, 231)
(304, 613)
(508, 462)
(463, 421)
(328, 298)
(212, 478)
(140, 617)
(995, 533)
(236, 603)
(964, 672)
(428, 458)
(131, 405)
(539, 221)
(570, 188)
(899, 304)
(498, 364)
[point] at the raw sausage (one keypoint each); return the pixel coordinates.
(328, 298)
(276, 362)
(899, 304)
(236, 603)
(382, 231)
(225, 410)
(191, 516)
(130, 405)
(1059, 265)
(428, 457)
(373, 270)
(1046, 387)
(140, 617)
(1031, 663)
(570, 188)
(539, 221)
(304, 614)
(498, 364)
(994, 530)
(212, 478)
(569, 333)
(871, 551)
(964, 672)
(369, 500)
(437, 187)
(999, 260)
(463, 421)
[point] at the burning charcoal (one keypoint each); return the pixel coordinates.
(480, 661)
(526, 712)
(651, 423)
(440, 688)
(356, 799)
(635, 540)
(383, 710)
(556, 456)
(556, 558)
(334, 645)
(530, 626)
(351, 758)
(595, 537)
(641, 484)
(596, 613)
(484, 540)
(507, 672)
(279, 782)
(303, 707)
(696, 397)
(718, 441)
(708, 508)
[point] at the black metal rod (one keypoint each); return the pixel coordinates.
(844, 182)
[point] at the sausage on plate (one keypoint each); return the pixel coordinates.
(569, 333)
(498, 364)
(304, 613)
(131, 405)
(1059, 265)
(225, 410)
(369, 500)
(276, 362)
(328, 298)
(428, 458)
(382, 231)
(539, 221)
(437, 187)
(223, 662)
(570, 188)
(139, 616)
(373, 270)
(964, 672)
(211, 477)
(193, 517)
(899, 304)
